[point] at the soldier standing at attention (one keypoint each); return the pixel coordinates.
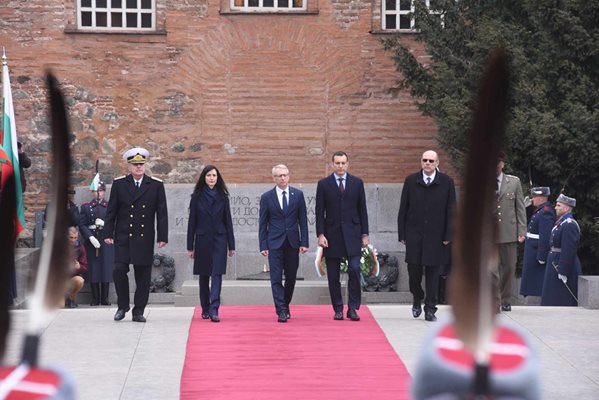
(100, 256)
(536, 246)
(510, 214)
(136, 203)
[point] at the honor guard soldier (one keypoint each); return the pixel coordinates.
(560, 286)
(137, 203)
(536, 244)
(100, 255)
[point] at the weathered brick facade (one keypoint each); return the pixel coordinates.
(213, 86)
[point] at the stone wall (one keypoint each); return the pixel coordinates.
(240, 91)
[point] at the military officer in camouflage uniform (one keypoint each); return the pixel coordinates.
(510, 215)
(136, 202)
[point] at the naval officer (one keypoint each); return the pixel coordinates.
(137, 203)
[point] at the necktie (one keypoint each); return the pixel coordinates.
(428, 180)
(284, 201)
(341, 188)
(137, 184)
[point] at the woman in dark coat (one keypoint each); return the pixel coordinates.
(210, 237)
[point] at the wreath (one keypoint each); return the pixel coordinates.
(369, 264)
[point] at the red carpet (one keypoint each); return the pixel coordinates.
(249, 355)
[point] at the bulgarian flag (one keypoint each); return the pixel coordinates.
(93, 186)
(9, 140)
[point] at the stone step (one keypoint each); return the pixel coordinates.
(239, 292)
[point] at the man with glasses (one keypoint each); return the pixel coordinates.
(136, 202)
(283, 234)
(424, 226)
(510, 214)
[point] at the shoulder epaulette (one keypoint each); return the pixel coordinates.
(512, 176)
(85, 204)
(156, 179)
(120, 177)
(547, 208)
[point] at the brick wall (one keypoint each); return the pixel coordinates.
(243, 92)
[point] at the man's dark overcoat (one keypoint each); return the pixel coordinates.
(425, 219)
(343, 218)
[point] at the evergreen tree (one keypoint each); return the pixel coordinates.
(552, 136)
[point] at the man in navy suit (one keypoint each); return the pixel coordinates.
(342, 230)
(283, 229)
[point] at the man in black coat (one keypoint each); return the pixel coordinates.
(136, 202)
(424, 226)
(342, 230)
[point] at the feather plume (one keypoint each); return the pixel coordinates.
(8, 211)
(474, 249)
(54, 265)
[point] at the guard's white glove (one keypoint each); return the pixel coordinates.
(542, 262)
(563, 278)
(94, 242)
(527, 201)
(99, 222)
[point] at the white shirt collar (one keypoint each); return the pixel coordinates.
(425, 176)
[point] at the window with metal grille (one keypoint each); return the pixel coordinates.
(116, 15)
(268, 5)
(399, 14)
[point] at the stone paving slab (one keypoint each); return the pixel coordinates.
(129, 361)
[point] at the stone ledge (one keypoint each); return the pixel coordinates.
(588, 291)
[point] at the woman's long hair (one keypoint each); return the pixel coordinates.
(220, 182)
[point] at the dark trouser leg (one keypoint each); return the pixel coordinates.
(276, 261)
(354, 284)
(507, 266)
(215, 287)
(415, 280)
(431, 279)
(290, 268)
(95, 288)
(333, 275)
(121, 285)
(143, 276)
(104, 289)
(204, 293)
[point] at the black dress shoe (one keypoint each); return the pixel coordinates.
(94, 302)
(120, 314)
(288, 314)
(506, 307)
(105, 302)
(416, 310)
(338, 315)
(205, 315)
(282, 316)
(430, 316)
(214, 318)
(139, 318)
(353, 315)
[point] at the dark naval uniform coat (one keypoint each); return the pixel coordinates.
(536, 249)
(132, 213)
(99, 266)
(562, 259)
(210, 234)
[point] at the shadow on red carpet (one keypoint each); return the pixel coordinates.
(249, 355)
